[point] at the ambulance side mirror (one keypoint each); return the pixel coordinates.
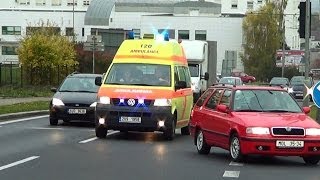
(98, 81)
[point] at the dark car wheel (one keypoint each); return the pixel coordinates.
(185, 130)
(311, 160)
(202, 146)
(101, 132)
(235, 149)
(53, 121)
(170, 132)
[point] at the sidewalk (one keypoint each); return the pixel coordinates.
(10, 101)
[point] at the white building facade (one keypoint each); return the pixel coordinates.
(16, 16)
(213, 20)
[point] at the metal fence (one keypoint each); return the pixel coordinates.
(24, 75)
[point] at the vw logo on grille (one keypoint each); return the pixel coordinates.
(131, 102)
(288, 129)
(77, 104)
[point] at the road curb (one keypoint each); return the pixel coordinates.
(22, 114)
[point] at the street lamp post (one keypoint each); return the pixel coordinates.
(73, 32)
(307, 51)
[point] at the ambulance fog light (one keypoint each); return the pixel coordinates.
(161, 123)
(101, 121)
(141, 101)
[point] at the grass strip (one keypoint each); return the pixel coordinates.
(23, 107)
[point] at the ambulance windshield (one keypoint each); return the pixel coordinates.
(139, 74)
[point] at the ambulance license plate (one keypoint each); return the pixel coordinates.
(124, 119)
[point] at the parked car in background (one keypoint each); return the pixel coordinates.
(75, 99)
(257, 120)
(231, 81)
(297, 86)
(281, 82)
(244, 77)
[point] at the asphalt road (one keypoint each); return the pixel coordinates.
(31, 149)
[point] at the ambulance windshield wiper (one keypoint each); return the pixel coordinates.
(140, 84)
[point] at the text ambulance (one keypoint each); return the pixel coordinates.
(146, 88)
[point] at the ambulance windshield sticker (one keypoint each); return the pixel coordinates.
(144, 91)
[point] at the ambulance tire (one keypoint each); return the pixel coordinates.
(101, 132)
(170, 132)
(185, 130)
(53, 121)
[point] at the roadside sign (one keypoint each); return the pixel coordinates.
(91, 44)
(94, 38)
(90, 48)
(316, 94)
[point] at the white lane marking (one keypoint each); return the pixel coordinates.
(18, 162)
(235, 164)
(231, 174)
(88, 140)
(24, 119)
(113, 132)
(44, 128)
(95, 138)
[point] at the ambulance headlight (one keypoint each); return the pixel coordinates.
(162, 102)
(104, 100)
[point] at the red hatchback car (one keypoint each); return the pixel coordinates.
(254, 120)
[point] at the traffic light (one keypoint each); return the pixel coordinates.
(302, 19)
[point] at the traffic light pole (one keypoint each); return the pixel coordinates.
(307, 48)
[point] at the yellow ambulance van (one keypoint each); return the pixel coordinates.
(147, 88)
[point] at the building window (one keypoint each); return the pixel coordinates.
(82, 32)
(250, 5)
(137, 33)
(183, 34)
(11, 30)
(201, 35)
(40, 2)
(23, 2)
(259, 1)
(171, 32)
(56, 2)
(70, 2)
(9, 50)
(86, 3)
(69, 31)
(234, 4)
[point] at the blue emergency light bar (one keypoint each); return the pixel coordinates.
(131, 35)
(160, 37)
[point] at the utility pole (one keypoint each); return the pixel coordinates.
(307, 50)
(93, 50)
(73, 32)
(283, 47)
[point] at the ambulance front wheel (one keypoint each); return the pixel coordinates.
(101, 132)
(170, 132)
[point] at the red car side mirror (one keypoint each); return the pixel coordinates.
(223, 108)
(306, 110)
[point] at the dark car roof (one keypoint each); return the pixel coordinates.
(83, 75)
(249, 87)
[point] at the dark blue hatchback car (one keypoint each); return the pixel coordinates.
(75, 99)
